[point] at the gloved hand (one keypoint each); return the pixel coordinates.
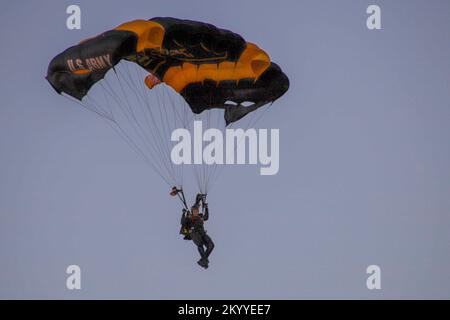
(199, 198)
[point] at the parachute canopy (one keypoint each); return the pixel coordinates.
(209, 67)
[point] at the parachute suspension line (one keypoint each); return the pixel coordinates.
(207, 169)
(120, 103)
(145, 106)
(169, 113)
(160, 138)
(101, 115)
(195, 172)
(262, 112)
(98, 109)
(164, 115)
(122, 106)
(181, 115)
(162, 132)
(131, 113)
(252, 121)
(182, 198)
(188, 116)
(187, 120)
(109, 119)
(175, 110)
(218, 123)
(200, 172)
(153, 129)
(197, 169)
(136, 125)
(124, 136)
(213, 119)
(181, 111)
(176, 116)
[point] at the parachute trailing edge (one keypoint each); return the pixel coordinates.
(206, 65)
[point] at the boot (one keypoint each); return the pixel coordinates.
(203, 263)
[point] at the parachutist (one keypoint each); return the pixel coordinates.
(192, 227)
(227, 68)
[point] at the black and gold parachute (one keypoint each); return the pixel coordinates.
(208, 66)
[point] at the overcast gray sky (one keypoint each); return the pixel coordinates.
(364, 163)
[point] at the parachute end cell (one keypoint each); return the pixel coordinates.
(53, 86)
(235, 113)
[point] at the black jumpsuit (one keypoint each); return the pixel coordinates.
(198, 233)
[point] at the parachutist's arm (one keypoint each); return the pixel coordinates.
(198, 199)
(206, 214)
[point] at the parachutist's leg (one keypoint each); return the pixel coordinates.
(197, 238)
(209, 245)
(201, 250)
